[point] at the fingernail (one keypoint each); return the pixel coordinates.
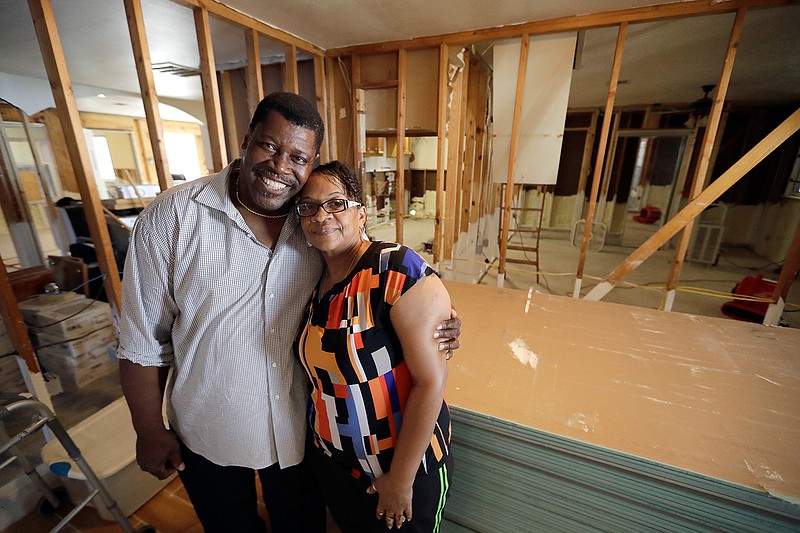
(439, 327)
(442, 348)
(436, 335)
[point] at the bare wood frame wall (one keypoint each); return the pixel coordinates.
(454, 136)
(55, 63)
(44, 23)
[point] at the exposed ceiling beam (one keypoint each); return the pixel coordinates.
(572, 23)
(241, 19)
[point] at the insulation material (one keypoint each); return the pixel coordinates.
(544, 106)
(702, 408)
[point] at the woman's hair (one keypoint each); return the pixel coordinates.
(345, 176)
(294, 108)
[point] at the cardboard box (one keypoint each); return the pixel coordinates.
(65, 320)
(51, 346)
(77, 372)
(31, 308)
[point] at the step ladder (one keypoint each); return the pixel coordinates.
(528, 235)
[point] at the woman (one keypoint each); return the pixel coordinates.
(380, 429)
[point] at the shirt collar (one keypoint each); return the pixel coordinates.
(214, 194)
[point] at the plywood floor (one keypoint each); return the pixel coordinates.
(169, 511)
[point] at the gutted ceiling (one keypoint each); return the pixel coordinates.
(663, 62)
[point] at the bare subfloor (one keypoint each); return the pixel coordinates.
(558, 261)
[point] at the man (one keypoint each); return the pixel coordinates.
(217, 278)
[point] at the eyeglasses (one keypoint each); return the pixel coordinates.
(337, 205)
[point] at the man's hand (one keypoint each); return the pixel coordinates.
(449, 331)
(159, 453)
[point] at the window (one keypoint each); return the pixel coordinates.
(102, 154)
(182, 154)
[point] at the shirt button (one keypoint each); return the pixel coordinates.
(272, 330)
(277, 397)
(274, 365)
(272, 295)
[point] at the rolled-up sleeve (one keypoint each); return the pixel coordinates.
(148, 305)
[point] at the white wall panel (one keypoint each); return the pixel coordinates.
(544, 106)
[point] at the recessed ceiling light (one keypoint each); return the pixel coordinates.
(101, 95)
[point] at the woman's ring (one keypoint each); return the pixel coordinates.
(402, 519)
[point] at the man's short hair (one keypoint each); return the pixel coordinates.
(293, 108)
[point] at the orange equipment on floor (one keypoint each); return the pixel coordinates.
(648, 215)
(750, 311)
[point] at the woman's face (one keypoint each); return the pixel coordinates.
(330, 233)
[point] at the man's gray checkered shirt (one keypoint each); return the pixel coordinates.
(202, 295)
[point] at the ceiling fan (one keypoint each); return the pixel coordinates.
(702, 106)
(698, 109)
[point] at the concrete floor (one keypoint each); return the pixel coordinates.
(558, 260)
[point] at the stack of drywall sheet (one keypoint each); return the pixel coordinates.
(74, 337)
(511, 478)
(576, 416)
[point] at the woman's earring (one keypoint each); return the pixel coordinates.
(364, 236)
(308, 244)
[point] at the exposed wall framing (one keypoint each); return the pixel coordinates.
(69, 140)
(55, 64)
(460, 174)
(290, 82)
(779, 135)
(211, 94)
(441, 134)
(601, 152)
(523, 64)
(144, 71)
(400, 125)
(705, 156)
(255, 86)
(454, 147)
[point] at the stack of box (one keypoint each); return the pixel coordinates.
(10, 375)
(75, 337)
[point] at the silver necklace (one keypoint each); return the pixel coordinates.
(241, 203)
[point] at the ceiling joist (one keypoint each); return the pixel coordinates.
(573, 23)
(231, 15)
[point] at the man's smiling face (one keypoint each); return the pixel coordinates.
(278, 158)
